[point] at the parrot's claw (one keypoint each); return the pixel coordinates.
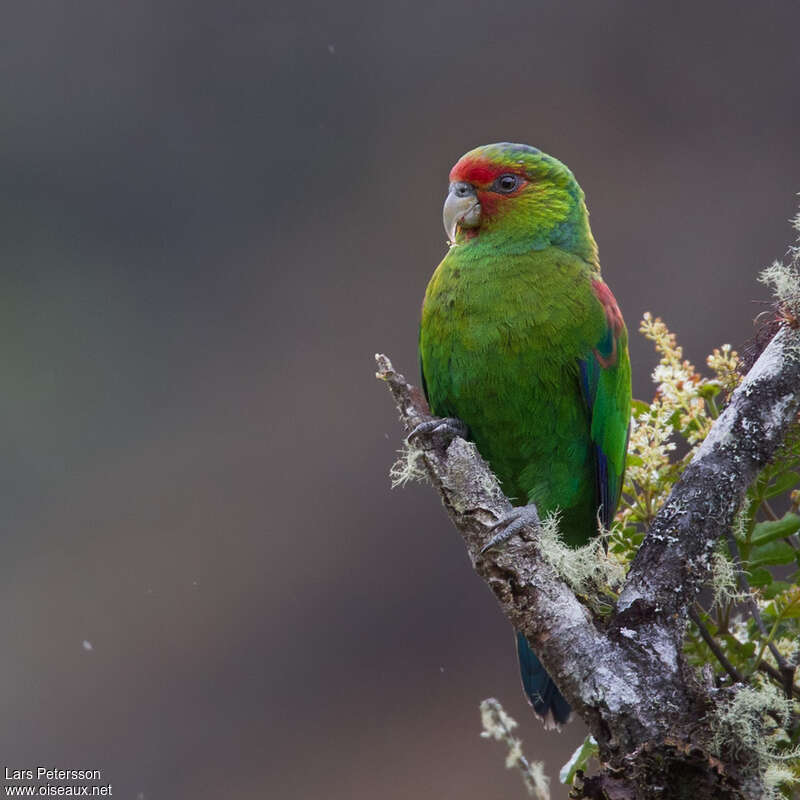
(451, 427)
(512, 523)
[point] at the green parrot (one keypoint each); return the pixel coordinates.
(524, 351)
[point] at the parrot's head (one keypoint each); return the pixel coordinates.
(520, 198)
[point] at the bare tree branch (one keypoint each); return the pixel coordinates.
(714, 647)
(786, 670)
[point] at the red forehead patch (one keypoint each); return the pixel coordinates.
(477, 171)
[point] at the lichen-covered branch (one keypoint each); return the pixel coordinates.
(593, 669)
(530, 592)
(674, 560)
(625, 674)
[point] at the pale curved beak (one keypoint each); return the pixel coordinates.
(461, 207)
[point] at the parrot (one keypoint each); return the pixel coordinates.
(523, 351)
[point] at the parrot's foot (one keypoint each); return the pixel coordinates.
(512, 523)
(449, 427)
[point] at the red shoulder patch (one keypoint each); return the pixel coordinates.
(615, 322)
(609, 303)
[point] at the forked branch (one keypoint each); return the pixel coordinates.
(624, 674)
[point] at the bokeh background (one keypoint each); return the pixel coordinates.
(212, 215)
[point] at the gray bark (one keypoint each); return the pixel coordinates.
(625, 675)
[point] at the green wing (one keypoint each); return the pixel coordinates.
(606, 384)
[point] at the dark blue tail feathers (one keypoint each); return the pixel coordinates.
(547, 701)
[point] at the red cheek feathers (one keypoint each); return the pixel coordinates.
(491, 202)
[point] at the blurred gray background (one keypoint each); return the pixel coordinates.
(212, 215)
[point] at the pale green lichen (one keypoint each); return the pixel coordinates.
(752, 727)
(408, 468)
(784, 278)
(724, 579)
(589, 570)
(776, 778)
(498, 725)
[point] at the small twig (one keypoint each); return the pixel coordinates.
(714, 647)
(786, 675)
(768, 669)
(737, 676)
(744, 584)
(768, 510)
(498, 725)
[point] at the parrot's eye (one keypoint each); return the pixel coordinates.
(506, 184)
